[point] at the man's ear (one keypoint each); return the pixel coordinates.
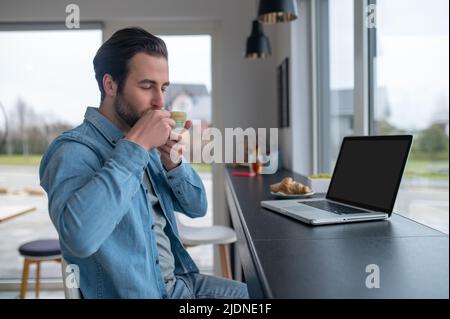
(109, 85)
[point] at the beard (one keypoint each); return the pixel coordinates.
(125, 111)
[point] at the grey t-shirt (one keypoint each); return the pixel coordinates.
(166, 258)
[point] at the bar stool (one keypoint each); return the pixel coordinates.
(217, 235)
(36, 252)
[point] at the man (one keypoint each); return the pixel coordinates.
(113, 187)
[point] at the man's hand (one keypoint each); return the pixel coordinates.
(172, 151)
(152, 130)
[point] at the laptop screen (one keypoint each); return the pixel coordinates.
(369, 170)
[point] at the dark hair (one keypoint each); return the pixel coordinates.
(114, 54)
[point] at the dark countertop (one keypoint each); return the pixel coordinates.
(285, 258)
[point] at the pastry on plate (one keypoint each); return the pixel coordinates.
(290, 187)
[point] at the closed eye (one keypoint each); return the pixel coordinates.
(163, 90)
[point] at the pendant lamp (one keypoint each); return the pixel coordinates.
(276, 11)
(258, 45)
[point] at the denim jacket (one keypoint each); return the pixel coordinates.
(98, 204)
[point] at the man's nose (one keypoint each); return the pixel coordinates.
(158, 100)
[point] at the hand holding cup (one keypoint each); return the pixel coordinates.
(172, 151)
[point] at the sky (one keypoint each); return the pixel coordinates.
(413, 59)
(52, 71)
(413, 55)
(189, 59)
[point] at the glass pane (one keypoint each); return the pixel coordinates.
(190, 92)
(336, 79)
(46, 82)
(411, 97)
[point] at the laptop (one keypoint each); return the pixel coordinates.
(363, 187)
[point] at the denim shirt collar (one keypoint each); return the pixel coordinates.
(111, 132)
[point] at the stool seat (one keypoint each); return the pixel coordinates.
(40, 248)
(35, 252)
(217, 234)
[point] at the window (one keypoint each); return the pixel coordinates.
(407, 90)
(411, 83)
(190, 88)
(46, 82)
(335, 78)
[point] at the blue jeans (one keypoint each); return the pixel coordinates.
(198, 286)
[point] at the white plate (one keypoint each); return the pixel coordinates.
(291, 196)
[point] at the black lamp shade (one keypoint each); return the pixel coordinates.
(276, 11)
(258, 45)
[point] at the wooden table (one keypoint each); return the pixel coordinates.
(11, 211)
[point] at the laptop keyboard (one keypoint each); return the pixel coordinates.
(334, 208)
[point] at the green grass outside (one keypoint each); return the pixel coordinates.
(34, 160)
(415, 168)
(31, 160)
(437, 170)
(202, 168)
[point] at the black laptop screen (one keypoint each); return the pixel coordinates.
(369, 170)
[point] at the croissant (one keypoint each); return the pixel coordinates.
(284, 188)
(275, 187)
(289, 186)
(296, 188)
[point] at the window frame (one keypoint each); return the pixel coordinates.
(322, 79)
(48, 26)
(363, 70)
